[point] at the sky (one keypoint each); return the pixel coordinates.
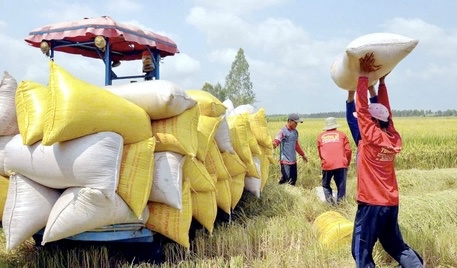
(290, 45)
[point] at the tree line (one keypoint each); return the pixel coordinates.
(396, 113)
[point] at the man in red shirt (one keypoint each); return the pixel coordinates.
(335, 154)
(377, 188)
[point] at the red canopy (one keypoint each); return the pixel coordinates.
(127, 42)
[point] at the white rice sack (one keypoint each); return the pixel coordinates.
(389, 49)
(8, 118)
(167, 182)
(159, 98)
(254, 184)
(244, 108)
(83, 209)
(89, 161)
(222, 137)
(230, 107)
(27, 208)
(3, 141)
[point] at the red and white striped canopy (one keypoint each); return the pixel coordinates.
(127, 42)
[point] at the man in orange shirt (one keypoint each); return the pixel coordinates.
(335, 154)
(377, 188)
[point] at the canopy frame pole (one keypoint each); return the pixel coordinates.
(110, 75)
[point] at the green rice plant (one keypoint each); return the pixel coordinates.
(428, 219)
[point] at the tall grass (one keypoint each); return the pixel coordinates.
(276, 229)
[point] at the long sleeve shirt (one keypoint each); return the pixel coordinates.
(289, 147)
(376, 179)
(352, 120)
(334, 150)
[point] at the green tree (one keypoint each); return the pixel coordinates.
(238, 85)
(217, 91)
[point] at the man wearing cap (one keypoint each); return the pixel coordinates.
(287, 138)
(377, 188)
(335, 154)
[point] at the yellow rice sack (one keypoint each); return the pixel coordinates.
(204, 208)
(169, 143)
(31, 103)
(269, 153)
(233, 163)
(3, 193)
(77, 108)
(136, 174)
(333, 229)
(236, 188)
(253, 170)
(215, 164)
(199, 178)
(171, 222)
(253, 144)
(183, 127)
(259, 127)
(223, 196)
(264, 170)
(239, 136)
(207, 127)
(208, 103)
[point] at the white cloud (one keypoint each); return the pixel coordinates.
(238, 6)
(182, 64)
(221, 28)
(124, 5)
(62, 11)
(181, 69)
(225, 55)
(438, 41)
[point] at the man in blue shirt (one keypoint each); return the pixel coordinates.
(350, 110)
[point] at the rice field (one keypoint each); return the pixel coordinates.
(276, 230)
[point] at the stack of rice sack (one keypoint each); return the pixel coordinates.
(177, 147)
(259, 143)
(174, 118)
(82, 157)
(389, 49)
(230, 159)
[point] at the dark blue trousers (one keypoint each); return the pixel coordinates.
(339, 175)
(380, 222)
(289, 174)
